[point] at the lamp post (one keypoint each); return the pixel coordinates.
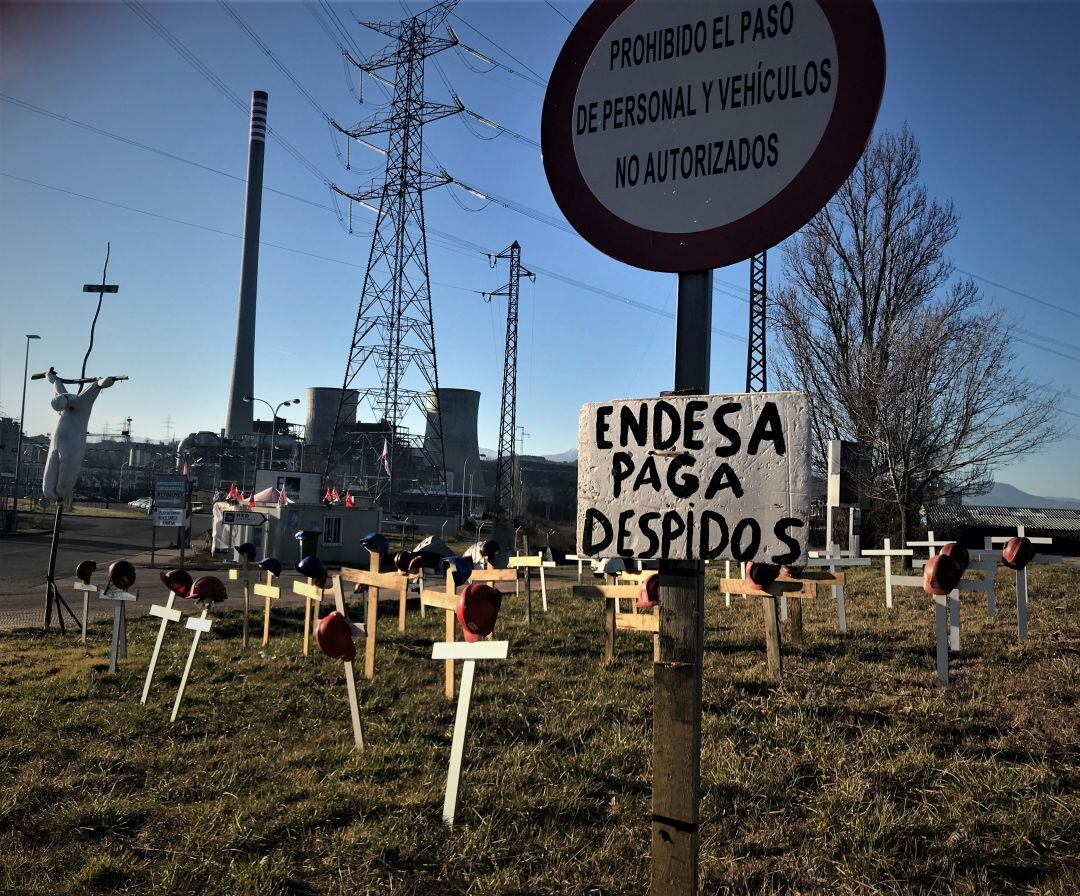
(120, 488)
(273, 419)
(464, 467)
(22, 426)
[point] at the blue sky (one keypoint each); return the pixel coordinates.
(987, 88)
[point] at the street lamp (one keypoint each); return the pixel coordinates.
(120, 488)
(464, 467)
(22, 426)
(273, 419)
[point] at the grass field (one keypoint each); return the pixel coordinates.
(857, 774)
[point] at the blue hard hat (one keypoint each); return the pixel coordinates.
(312, 568)
(376, 542)
(462, 568)
(246, 550)
(271, 565)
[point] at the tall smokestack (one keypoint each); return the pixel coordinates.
(239, 418)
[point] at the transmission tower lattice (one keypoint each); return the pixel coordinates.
(394, 328)
(504, 466)
(756, 380)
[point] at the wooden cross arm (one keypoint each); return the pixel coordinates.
(247, 576)
(165, 613)
(892, 552)
(635, 576)
(493, 575)
(308, 590)
(112, 594)
(520, 562)
(610, 592)
(390, 581)
(198, 623)
(267, 590)
(779, 588)
(82, 586)
(814, 576)
(465, 650)
(638, 622)
(438, 599)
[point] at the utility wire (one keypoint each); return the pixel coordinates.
(1017, 292)
(558, 12)
(498, 46)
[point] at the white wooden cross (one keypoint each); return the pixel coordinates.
(470, 653)
(269, 592)
(198, 625)
(167, 614)
(977, 564)
(529, 563)
(581, 561)
(313, 596)
(931, 543)
(446, 601)
(1021, 576)
(118, 649)
(888, 552)
(350, 673)
(249, 576)
(834, 561)
(87, 589)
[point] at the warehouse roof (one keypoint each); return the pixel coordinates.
(1033, 519)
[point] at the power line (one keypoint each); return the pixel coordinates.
(558, 12)
(502, 49)
(1017, 292)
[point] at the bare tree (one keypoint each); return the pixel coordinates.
(892, 351)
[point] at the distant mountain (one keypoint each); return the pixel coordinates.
(1004, 495)
(567, 457)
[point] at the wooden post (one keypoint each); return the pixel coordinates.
(118, 647)
(528, 595)
(954, 621)
(1021, 604)
(86, 590)
(941, 628)
(774, 664)
(350, 674)
(371, 615)
(248, 576)
(793, 632)
(313, 596)
(167, 614)
(607, 654)
(199, 625)
(470, 653)
(268, 592)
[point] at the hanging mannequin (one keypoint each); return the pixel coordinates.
(68, 444)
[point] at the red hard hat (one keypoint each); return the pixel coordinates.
(477, 609)
(177, 581)
(121, 574)
(84, 570)
(402, 559)
(208, 590)
(335, 639)
(959, 554)
(1018, 552)
(649, 593)
(941, 574)
(416, 563)
(762, 575)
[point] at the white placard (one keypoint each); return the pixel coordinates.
(695, 477)
(170, 517)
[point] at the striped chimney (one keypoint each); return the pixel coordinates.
(241, 413)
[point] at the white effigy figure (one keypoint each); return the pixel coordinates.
(68, 445)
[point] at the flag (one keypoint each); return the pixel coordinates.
(349, 502)
(334, 496)
(327, 497)
(385, 456)
(251, 501)
(185, 467)
(233, 493)
(281, 499)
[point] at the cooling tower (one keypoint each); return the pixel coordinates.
(459, 411)
(322, 408)
(239, 417)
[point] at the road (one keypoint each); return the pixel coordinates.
(24, 558)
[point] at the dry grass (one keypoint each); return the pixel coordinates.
(856, 775)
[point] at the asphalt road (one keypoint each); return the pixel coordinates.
(24, 558)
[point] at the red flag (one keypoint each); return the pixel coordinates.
(251, 502)
(349, 502)
(233, 493)
(185, 471)
(385, 456)
(327, 497)
(281, 499)
(334, 496)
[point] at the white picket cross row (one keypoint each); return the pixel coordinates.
(470, 653)
(118, 649)
(888, 552)
(199, 625)
(350, 674)
(988, 567)
(1021, 575)
(533, 562)
(86, 590)
(167, 614)
(931, 543)
(580, 566)
(834, 561)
